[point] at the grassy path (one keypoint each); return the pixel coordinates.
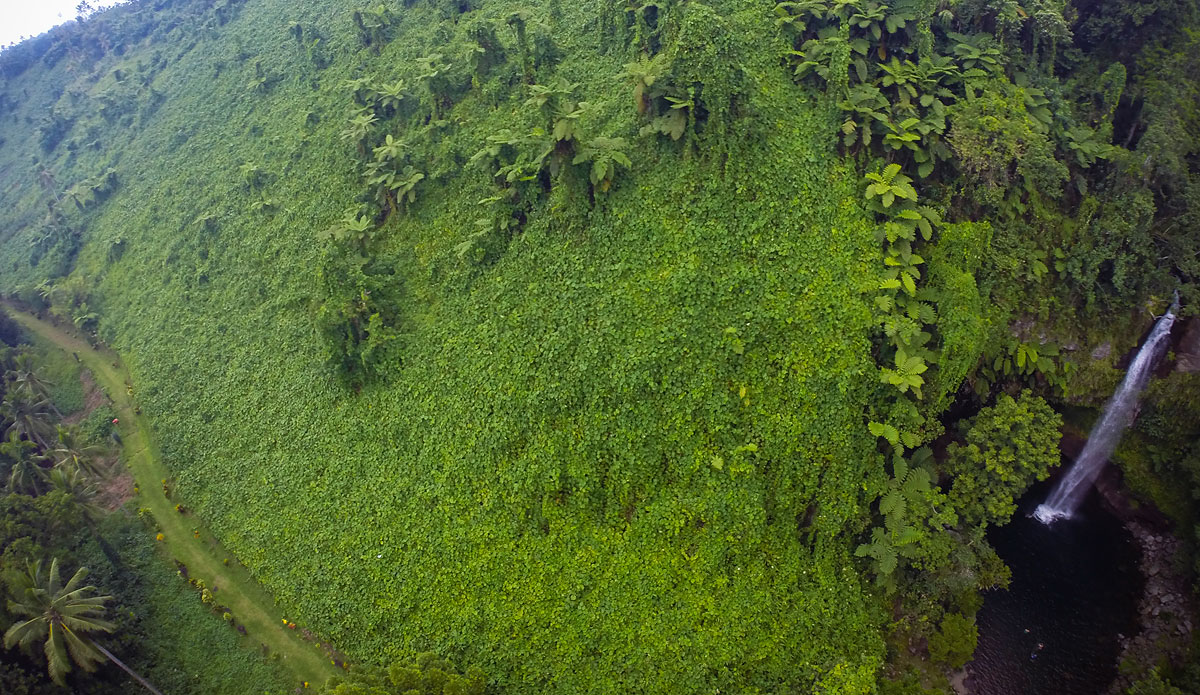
(204, 556)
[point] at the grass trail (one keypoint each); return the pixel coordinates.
(204, 556)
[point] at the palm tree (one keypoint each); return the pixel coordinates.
(46, 178)
(73, 455)
(26, 474)
(29, 416)
(84, 318)
(26, 377)
(63, 616)
(77, 484)
(390, 96)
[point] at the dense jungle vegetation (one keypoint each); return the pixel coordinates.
(609, 346)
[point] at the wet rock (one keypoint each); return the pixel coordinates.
(1102, 352)
(1165, 611)
(1022, 328)
(1187, 353)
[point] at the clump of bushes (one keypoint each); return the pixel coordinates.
(427, 674)
(98, 425)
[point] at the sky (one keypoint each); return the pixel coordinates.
(29, 18)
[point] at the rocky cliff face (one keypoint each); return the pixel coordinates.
(1166, 610)
(1187, 351)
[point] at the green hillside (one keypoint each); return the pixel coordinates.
(580, 381)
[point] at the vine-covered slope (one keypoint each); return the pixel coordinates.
(563, 339)
(628, 453)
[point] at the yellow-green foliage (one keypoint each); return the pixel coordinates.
(961, 321)
(558, 337)
(627, 452)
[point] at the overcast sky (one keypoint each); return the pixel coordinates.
(29, 18)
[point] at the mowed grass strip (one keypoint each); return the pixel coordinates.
(203, 555)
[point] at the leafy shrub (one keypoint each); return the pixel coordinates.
(961, 327)
(1007, 447)
(997, 143)
(97, 427)
(954, 642)
(428, 674)
(1153, 683)
(915, 514)
(359, 311)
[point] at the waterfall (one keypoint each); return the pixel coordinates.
(1117, 415)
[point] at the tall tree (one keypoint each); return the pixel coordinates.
(1008, 446)
(72, 455)
(30, 417)
(64, 617)
(25, 475)
(79, 485)
(25, 377)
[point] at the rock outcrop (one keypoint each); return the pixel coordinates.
(1166, 608)
(1187, 351)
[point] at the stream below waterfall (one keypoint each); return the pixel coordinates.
(1075, 588)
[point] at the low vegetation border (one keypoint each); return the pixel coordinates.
(184, 536)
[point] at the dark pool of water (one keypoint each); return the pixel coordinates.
(1075, 587)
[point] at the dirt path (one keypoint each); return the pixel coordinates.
(204, 556)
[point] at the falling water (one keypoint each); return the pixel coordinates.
(1118, 414)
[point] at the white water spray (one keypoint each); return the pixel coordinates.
(1118, 414)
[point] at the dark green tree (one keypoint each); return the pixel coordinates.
(63, 617)
(954, 643)
(29, 417)
(25, 472)
(72, 454)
